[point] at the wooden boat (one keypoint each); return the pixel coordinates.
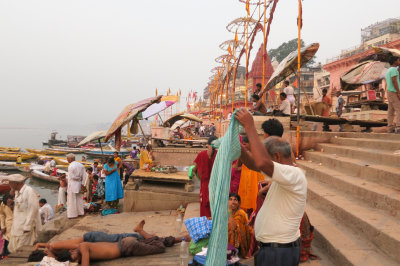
(4, 186)
(105, 153)
(43, 176)
(66, 150)
(47, 151)
(64, 161)
(23, 167)
(7, 166)
(12, 156)
(7, 149)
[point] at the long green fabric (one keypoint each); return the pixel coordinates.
(229, 150)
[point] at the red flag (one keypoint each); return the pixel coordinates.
(295, 84)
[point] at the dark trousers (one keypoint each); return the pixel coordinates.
(121, 173)
(126, 179)
(277, 256)
(5, 249)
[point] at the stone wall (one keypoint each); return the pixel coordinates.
(147, 200)
(178, 157)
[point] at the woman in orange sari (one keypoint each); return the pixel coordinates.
(248, 187)
(239, 232)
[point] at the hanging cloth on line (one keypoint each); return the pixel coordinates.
(228, 151)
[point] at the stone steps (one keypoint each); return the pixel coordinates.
(354, 197)
(344, 246)
(371, 155)
(382, 174)
(374, 136)
(381, 144)
(376, 227)
(372, 194)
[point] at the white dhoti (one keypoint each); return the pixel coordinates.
(26, 239)
(74, 205)
(61, 196)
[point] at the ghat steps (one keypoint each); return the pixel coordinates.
(354, 198)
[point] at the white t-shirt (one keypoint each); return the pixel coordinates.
(46, 213)
(279, 218)
(285, 107)
(288, 90)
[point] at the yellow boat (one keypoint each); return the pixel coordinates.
(12, 156)
(47, 152)
(7, 149)
(64, 161)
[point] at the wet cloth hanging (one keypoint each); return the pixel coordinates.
(228, 151)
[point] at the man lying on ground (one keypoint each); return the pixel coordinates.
(88, 247)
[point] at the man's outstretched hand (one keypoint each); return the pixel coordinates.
(245, 118)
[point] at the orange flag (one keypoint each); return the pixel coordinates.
(248, 7)
(236, 38)
(156, 92)
(230, 50)
(295, 84)
(169, 91)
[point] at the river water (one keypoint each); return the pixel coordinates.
(32, 137)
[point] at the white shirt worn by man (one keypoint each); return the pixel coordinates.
(289, 91)
(26, 222)
(285, 107)
(46, 213)
(76, 178)
(278, 220)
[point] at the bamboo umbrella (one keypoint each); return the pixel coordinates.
(232, 46)
(241, 26)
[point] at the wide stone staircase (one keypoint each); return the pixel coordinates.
(354, 198)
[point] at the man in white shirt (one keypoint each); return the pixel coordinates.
(284, 108)
(26, 222)
(46, 212)
(289, 92)
(76, 178)
(278, 221)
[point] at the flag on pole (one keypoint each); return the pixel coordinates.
(230, 50)
(296, 84)
(300, 18)
(248, 7)
(236, 38)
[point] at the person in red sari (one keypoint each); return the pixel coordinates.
(202, 166)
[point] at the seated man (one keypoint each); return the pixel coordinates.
(284, 109)
(258, 106)
(102, 246)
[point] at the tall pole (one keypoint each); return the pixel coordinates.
(234, 77)
(264, 46)
(299, 25)
(247, 60)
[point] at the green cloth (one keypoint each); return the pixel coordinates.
(392, 72)
(190, 173)
(195, 248)
(229, 150)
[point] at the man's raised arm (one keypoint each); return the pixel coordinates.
(261, 157)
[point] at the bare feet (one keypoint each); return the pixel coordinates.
(139, 226)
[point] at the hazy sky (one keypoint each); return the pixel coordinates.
(76, 62)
